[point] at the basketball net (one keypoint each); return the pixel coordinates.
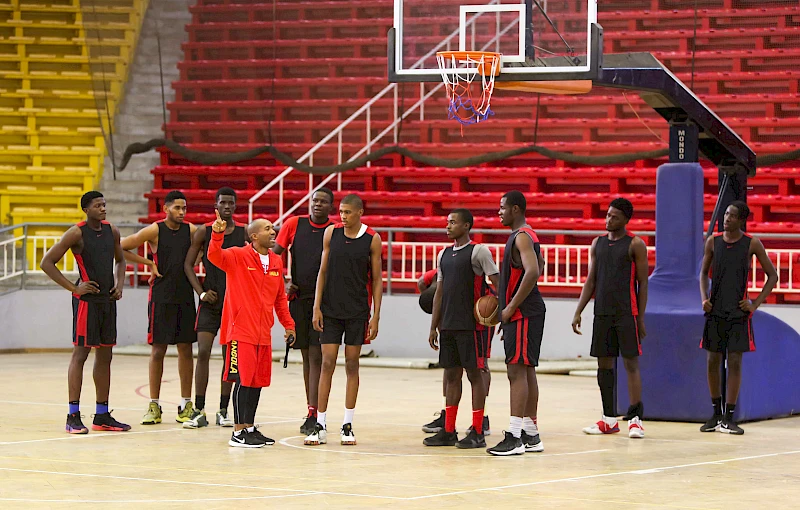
(459, 71)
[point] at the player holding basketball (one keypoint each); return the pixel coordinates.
(209, 312)
(350, 277)
(522, 323)
(464, 344)
(171, 309)
(729, 328)
(95, 244)
(255, 292)
(617, 279)
(302, 235)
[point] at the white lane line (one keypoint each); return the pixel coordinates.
(606, 475)
(151, 501)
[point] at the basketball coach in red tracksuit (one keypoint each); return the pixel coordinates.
(255, 292)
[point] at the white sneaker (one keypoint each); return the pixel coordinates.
(318, 437)
(606, 425)
(197, 420)
(222, 418)
(635, 428)
(348, 437)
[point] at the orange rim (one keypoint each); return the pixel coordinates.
(488, 58)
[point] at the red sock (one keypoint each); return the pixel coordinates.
(450, 413)
(312, 411)
(477, 420)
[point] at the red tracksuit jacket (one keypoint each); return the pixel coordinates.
(251, 295)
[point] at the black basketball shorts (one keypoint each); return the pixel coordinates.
(354, 331)
(463, 349)
(613, 335)
(94, 324)
(170, 323)
(733, 335)
(522, 340)
(302, 311)
(209, 318)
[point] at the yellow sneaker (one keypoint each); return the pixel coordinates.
(185, 414)
(153, 415)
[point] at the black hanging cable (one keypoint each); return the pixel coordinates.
(694, 45)
(161, 76)
(570, 50)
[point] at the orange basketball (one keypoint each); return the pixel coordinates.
(487, 310)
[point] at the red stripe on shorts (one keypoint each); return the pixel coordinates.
(525, 344)
(81, 325)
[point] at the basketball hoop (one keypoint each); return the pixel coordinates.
(459, 70)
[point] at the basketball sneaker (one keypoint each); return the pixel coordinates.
(713, 424)
(607, 425)
(107, 422)
(510, 445)
(197, 420)
(472, 440)
(185, 414)
(153, 415)
(441, 438)
(730, 427)
(348, 436)
(261, 437)
(486, 430)
(436, 425)
(317, 437)
(245, 439)
(308, 426)
(75, 425)
(222, 418)
(532, 443)
(635, 428)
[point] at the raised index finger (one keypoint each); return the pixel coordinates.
(217, 213)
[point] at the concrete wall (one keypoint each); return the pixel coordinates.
(43, 319)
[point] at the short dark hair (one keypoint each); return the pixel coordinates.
(744, 211)
(327, 191)
(624, 205)
(353, 199)
(225, 191)
(88, 197)
(465, 215)
(516, 198)
(173, 196)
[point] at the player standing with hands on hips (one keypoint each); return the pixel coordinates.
(255, 291)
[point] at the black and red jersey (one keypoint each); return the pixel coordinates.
(616, 288)
(304, 239)
(348, 282)
(215, 277)
(511, 275)
(173, 286)
(96, 260)
(729, 275)
(461, 289)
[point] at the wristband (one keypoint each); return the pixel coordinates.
(202, 294)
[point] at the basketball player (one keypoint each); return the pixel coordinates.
(461, 278)
(171, 309)
(729, 328)
(95, 244)
(209, 312)
(617, 279)
(427, 289)
(350, 276)
(303, 237)
(522, 323)
(255, 292)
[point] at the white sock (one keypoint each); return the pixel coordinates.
(185, 401)
(155, 401)
(321, 419)
(348, 415)
(251, 429)
(529, 427)
(516, 426)
(238, 433)
(610, 420)
(444, 402)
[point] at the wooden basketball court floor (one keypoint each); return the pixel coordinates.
(164, 466)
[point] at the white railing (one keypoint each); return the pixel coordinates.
(366, 111)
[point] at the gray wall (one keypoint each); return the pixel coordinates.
(43, 319)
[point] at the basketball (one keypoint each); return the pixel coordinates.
(487, 311)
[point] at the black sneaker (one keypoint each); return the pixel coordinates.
(261, 437)
(487, 431)
(308, 426)
(75, 425)
(107, 422)
(510, 445)
(532, 443)
(730, 427)
(436, 425)
(441, 438)
(472, 440)
(245, 440)
(712, 425)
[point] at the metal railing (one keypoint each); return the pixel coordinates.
(566, 266)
